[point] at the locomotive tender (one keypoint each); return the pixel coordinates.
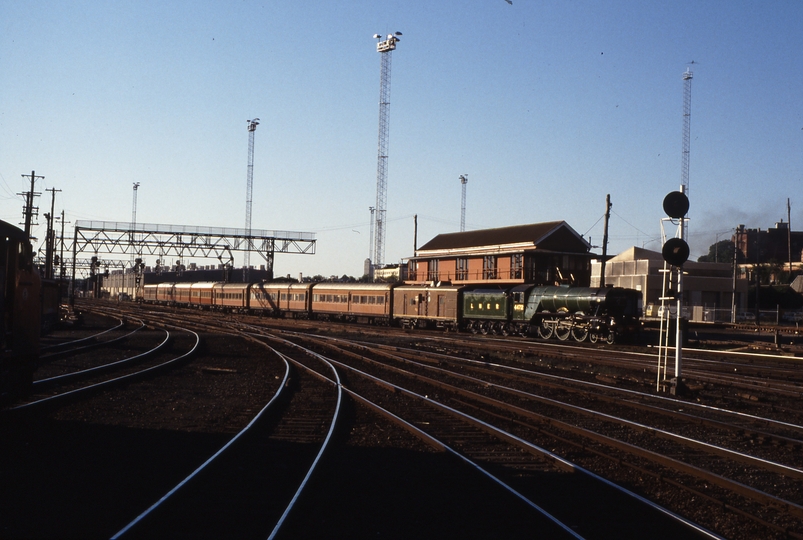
(579, 313)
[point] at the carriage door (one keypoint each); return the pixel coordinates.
(422, 305)
(441, 305)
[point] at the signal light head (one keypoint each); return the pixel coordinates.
(675, 251)
(676, 204)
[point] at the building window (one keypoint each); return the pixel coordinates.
(516, 266)
(489, 267)
(433, 270)
(462, 269)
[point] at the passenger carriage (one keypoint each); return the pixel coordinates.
(165, 293)
(181, 293)
(281, 299)
(230, 296)
(363, 302)
(201, 294)
(423, 306)
(264, 297)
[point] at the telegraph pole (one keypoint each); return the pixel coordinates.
(51, 235)
(61, 253)
(605, 240)
(29, 210)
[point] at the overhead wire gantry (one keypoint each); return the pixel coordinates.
(184, 241)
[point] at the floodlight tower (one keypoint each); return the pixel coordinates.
(684, 167)
(385, 48)
(252, 127)
(464, 181)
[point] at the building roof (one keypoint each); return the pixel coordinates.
(550, 236)
(635, 253)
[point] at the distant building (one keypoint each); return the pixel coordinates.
(540, 253)
(707, 287)
(390, 272)
(757, 246)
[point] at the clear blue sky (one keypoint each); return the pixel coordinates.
(547, 106)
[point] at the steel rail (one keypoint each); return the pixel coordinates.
(627, 391)
(509, 437)
(715, 449)
(768, 465)
(731, 485)
(109, 382)
(429, 439)
(97, 369)
(93, 336)
(324, 446)
(211, 459)
(95, 344)
(433, 441)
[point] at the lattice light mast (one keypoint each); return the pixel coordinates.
(249, 189)
(463, 181)
(684, 167)
(385, 47)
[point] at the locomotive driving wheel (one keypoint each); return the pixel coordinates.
(546, 328)
(580, 333)
(563, 330)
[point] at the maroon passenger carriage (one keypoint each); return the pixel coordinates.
(357, 302)
(281, 299)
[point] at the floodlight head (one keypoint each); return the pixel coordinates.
(398, 33)
(377, 36)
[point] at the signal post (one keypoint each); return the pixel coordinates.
(675, 252)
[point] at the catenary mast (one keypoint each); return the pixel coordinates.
(252, 127)
(385, 48)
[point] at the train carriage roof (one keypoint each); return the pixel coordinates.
(228, 286)
(380, 287)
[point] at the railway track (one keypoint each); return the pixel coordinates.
(80, 376)
(732, 465)
(699, 467)
(510, 457)
(235, 490)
